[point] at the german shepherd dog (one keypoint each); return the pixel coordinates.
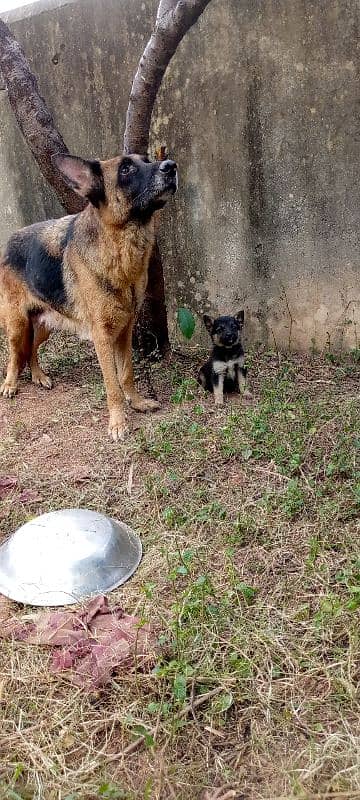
(224, 371)
(87, 273)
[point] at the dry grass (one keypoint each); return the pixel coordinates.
(249, 517)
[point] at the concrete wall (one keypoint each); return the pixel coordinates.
(260, 107)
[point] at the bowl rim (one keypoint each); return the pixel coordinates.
(10, 589)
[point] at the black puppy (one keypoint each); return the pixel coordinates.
(224, 371)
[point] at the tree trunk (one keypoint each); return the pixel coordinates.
(33, 117)
(174, 18)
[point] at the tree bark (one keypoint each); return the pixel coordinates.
(33, 117)
(174, 18)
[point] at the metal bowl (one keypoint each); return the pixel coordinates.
(60, 558)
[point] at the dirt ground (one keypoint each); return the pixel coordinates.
(249, 519)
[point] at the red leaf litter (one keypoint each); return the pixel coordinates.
(90, 643)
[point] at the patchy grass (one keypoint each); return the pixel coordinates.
(249, 518)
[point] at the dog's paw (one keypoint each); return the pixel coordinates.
(139, 403)
(39, 378)
(8, 388)
(118, 427)
(118, 432)
(219, 401)
(247, 394)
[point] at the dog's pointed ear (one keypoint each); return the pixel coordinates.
(84, 177)
(208, 322)
(240, 317)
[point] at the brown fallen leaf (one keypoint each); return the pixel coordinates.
(80, 475)
(29, 496)
(223, 793)
(160, 153)
(7, 483)
(237, 478)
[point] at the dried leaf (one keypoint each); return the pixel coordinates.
(160, 153)
(80, 475)
(7, 483)
(29, 496)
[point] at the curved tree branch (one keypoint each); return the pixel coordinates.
(33, 117)
(174, 18)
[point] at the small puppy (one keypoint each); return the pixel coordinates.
(224, 371)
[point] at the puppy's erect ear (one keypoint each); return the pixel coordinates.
(208, 322)
(85, 177)
(240, 317)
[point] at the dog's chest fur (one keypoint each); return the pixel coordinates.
(124, 268)
(105, 277)
(225, 360)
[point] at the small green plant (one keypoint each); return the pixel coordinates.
(209, 513)
(11, 794)
(292, 501)
(330, 607)
(174, 517)
(245, 528)
(162, 709)
(314, 550)
(241, 666)
(247, 592)
(179, 688)
(141, 730)
(185, 391)
(350, 579)
(109, 791)
(222, 703)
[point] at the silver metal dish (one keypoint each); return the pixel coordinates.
(62, 557)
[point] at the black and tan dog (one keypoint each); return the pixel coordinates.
(224, 371)
(87, 273)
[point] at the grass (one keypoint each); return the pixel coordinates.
(249, 518)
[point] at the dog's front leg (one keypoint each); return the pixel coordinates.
(124, 363)
(218, 386)
(241, 375)
(105, 352)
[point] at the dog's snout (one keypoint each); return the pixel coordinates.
(168, 166)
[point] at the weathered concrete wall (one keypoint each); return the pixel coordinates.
(260, 107)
